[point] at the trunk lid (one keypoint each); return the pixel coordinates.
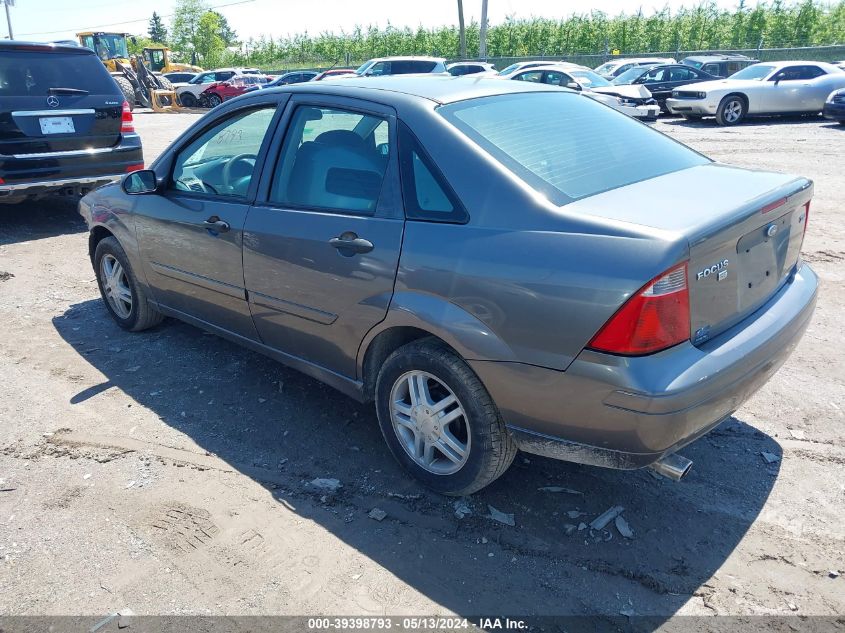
(744, 230)
(55, 100)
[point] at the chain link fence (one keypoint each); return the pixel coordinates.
(592, 60)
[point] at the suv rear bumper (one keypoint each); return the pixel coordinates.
(33, 174)
(627, 412)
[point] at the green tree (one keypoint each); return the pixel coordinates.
(207, 42)
(227, 34)
(186, 22)
(157, 30)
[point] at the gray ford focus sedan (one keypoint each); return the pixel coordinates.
(497, 265)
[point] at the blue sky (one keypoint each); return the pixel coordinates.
(44, 20)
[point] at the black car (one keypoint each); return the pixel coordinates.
(719, 65)
(64, 124)
(834, 107)
(661, 80)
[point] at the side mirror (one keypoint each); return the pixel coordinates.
(140, 182)
(573, 85)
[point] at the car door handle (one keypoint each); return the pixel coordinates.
(349, 244)
(216, 224)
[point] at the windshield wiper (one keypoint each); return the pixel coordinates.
(67, 91)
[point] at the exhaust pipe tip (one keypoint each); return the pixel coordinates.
(673, 466)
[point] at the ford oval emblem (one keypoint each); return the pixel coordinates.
(772, 230)
(53, 102)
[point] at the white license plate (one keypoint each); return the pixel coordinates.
(57, 125)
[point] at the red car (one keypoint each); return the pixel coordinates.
(221, 91)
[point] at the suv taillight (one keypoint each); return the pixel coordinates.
(806, 221)
(127, 124)
(655, 318)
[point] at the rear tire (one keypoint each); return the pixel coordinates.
(127, 90)
(486, 449)
(124, 297)
(187, 100)
(731, 110)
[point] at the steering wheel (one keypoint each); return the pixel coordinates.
(227, 168)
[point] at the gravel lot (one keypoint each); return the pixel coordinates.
(167, 472)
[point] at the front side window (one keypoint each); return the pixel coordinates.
(379, 68)
(566, 147)
(221, 161)
(332, 159)
(534, 76)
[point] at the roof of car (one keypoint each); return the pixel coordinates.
(44, 46)
(800, 62)
(556, 67)
(404, 58)
(637, 60)
(438, 88)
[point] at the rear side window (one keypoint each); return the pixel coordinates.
(25, 73)
(404, 67)
(425, 192)
(567, 146)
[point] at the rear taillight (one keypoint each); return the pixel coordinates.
(130, 168)
(127, 124)
(655, 318)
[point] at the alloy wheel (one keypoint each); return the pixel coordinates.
(116, 286)
(430, 422)
(733, 111)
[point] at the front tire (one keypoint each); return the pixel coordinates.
(124, 297)
(188, 100)
(731, 110)
(214, 100)
(438, 420)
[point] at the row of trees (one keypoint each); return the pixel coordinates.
(197, 32)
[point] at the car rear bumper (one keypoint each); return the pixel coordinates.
(31, 174)
(627, 412)
(834, 111)
(690, 106)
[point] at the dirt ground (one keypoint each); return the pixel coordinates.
(168, 472)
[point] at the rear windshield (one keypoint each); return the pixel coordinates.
(29, 73)
(568, 146)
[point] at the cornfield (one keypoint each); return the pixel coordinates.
(703, 27)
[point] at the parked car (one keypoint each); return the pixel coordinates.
(635, 101)
(719, 65)
(834, 106)
(770, 88)
(189, 93)
(179, 77)
(360, 248)
(64, 124)
(334, 73)
(401, 66)
(661, 80)
(221, 91)
(509, 71)
(294, 77)
(616, 67)
(458, 69)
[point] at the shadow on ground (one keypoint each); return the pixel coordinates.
(283, 429)
(748, 122)
(39, 219)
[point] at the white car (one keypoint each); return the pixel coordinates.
(381, 66)
(616, 67)
(768, 88)
(189, 93)
(510, 71)
(634, 100)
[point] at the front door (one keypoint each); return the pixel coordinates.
(321, 252)
(191, 235)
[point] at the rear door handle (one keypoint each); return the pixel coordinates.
(214, 223)
(349, 244)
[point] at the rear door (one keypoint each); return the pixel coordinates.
(56, 101)
(321, 251)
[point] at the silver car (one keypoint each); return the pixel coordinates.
(493, 263)
(768, 88)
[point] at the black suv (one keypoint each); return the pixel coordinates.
(719, 65)
(64, 124)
